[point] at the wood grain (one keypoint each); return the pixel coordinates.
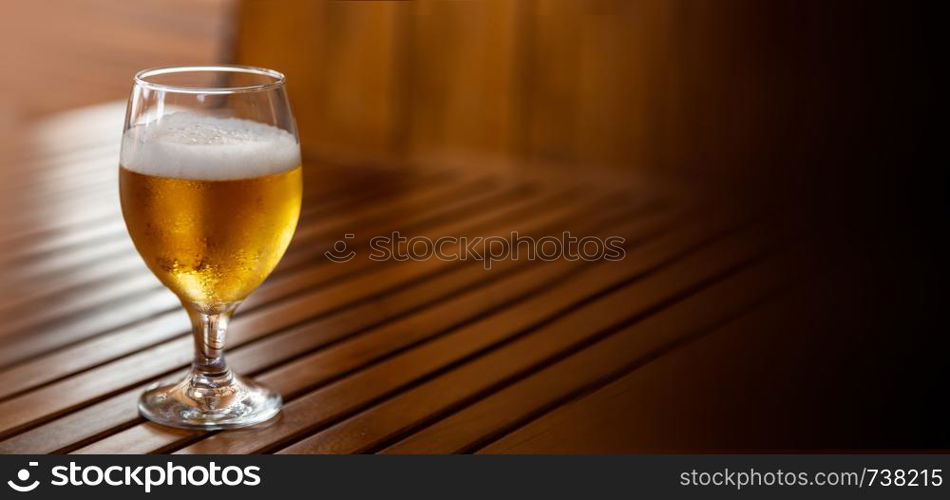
(370, 355)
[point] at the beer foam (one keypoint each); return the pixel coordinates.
(190, 146)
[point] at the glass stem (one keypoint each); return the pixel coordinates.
(210, 327)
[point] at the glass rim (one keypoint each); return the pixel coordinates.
(142, 76)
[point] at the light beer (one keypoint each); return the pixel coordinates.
(210, 183)
(211, 204)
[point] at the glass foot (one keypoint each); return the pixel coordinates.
(201, 401)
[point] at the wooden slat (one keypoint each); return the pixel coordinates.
(107, 320)
(650, 419)
(504, 366)
(514, 285)
(569, 304)
(67, 332)
(70, 392)
(471, 427)
(520, 316)
(392, 213)
(344, 321)
(102, 347)
(319, 200)
(61, 363)
(331, 189)
(86, 265)
(98, 252)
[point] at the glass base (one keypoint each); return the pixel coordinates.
(202, 401)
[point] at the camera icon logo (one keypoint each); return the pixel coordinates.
(339, 252)
(23, 475)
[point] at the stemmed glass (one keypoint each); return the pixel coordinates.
(210, 183)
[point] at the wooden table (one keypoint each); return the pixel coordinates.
(429, 356)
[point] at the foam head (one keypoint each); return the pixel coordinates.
(190, 146)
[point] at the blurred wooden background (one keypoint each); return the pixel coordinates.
(553, 81)
(62, 54)
(705, 87)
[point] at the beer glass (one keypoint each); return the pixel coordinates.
(210, 184)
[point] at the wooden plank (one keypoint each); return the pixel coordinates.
(347, 89)
(810, 373)
(60, 241)
(35, 315)
(87, 423)
(137, 309)
(79, 210)
(467, 428)
(99, 382)
(259, 353)
(72, 268)
(338, 399)
(61, 162)
(325, 185)
(114, 321)
(63, 265)
(80, 258)
(51, 195)
(508, 364)
(104, 347)
(318, 238)
(483, 205)
(107, 320)
(462, 82)
(90, 275)
(636, 414)
(518, 281)
(331, 188)
(396, 210)
(316, 203)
